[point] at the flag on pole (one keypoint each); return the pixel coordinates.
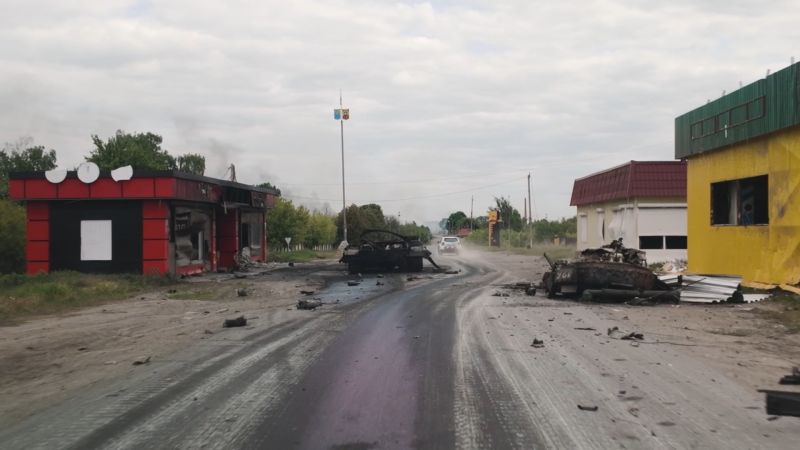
(346, 114)
(337, 114)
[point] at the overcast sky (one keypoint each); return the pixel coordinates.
(448, 99)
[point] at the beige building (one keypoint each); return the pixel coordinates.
(642, 202)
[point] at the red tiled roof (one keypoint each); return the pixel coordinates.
(632, 179)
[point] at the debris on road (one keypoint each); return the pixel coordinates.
(616, 333)
(794, 378)
(452, 272)
(587, 408)
(500, 294)
(141, 360)
(237, 322)
(307, 292)
(382, 250)
(308, 304)
(241, 292)
(379, 283)
(380, 275)
(782, 403)
(353, 283)
(537, 343)
(585, 329)
(219, 311)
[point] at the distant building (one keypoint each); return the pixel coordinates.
(743, 153)
(164, 222)
(642, 202)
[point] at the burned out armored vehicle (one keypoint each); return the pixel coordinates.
(612, 266)
(385, 251)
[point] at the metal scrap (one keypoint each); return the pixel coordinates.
(794, 378)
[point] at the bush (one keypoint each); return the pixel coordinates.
(12, 237)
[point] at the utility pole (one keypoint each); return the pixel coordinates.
(530, 214)
(471, 205)
(341, 115)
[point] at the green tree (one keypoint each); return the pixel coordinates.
(508, 214)
(23, 156)
(192, 163)
(12, 237)
(286, 220)
(321, 230)
(268, 185)
(140, 150)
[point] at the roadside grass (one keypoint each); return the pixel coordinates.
(300, 256)
(58, 292)
(784, 309)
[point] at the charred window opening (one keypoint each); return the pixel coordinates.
(676, 242)
(740, 202)
(651, 242)
(250, 230)
(192, 228)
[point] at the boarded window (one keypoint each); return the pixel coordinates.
(95, 240)
(651, 242)
(740, 202)
(675, 242)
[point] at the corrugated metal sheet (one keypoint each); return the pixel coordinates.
(762, 107)
(659, 179)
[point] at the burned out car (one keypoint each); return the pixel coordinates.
(612, 266)
(383, 251)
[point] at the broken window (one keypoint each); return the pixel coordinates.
(651, 242)
(192, 229)
(740, 202)
(675, 242)
(250, 230)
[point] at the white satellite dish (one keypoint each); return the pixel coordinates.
(55, 176)
(123, 173)
(88, 172)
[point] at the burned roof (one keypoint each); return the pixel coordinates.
(659, 179)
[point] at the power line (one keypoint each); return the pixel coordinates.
(419, 197)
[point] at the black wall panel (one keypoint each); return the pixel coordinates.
(126, 235)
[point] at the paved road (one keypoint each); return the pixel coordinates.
(437, 363)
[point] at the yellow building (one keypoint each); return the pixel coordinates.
(743, 181)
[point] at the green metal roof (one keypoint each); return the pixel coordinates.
(760, 108)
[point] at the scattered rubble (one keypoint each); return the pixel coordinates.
(308, 304)
(794, 378)
(141, 360)
(237, 322)
(353, 283)
(616, 333)
(241, 292)
(537, 343)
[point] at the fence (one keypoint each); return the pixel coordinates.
(300, 247)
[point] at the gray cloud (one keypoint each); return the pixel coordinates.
(445, 96)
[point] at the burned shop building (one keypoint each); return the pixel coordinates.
(149, 222)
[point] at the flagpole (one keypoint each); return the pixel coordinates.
(344, 202)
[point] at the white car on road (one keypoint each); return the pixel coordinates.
(449, 244)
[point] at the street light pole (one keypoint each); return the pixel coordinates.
(344, 202)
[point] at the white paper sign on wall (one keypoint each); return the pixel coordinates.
(95, 240)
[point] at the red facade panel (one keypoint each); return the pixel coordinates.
(35, 267)
(16, 189)
(155, 210)
(73, 188)
(38, 251)
(155, 249)
(105, 188)
(165, 187)
(155, 229)
(38, 211)
(38, 230)
(138, 188)
(40, 189)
